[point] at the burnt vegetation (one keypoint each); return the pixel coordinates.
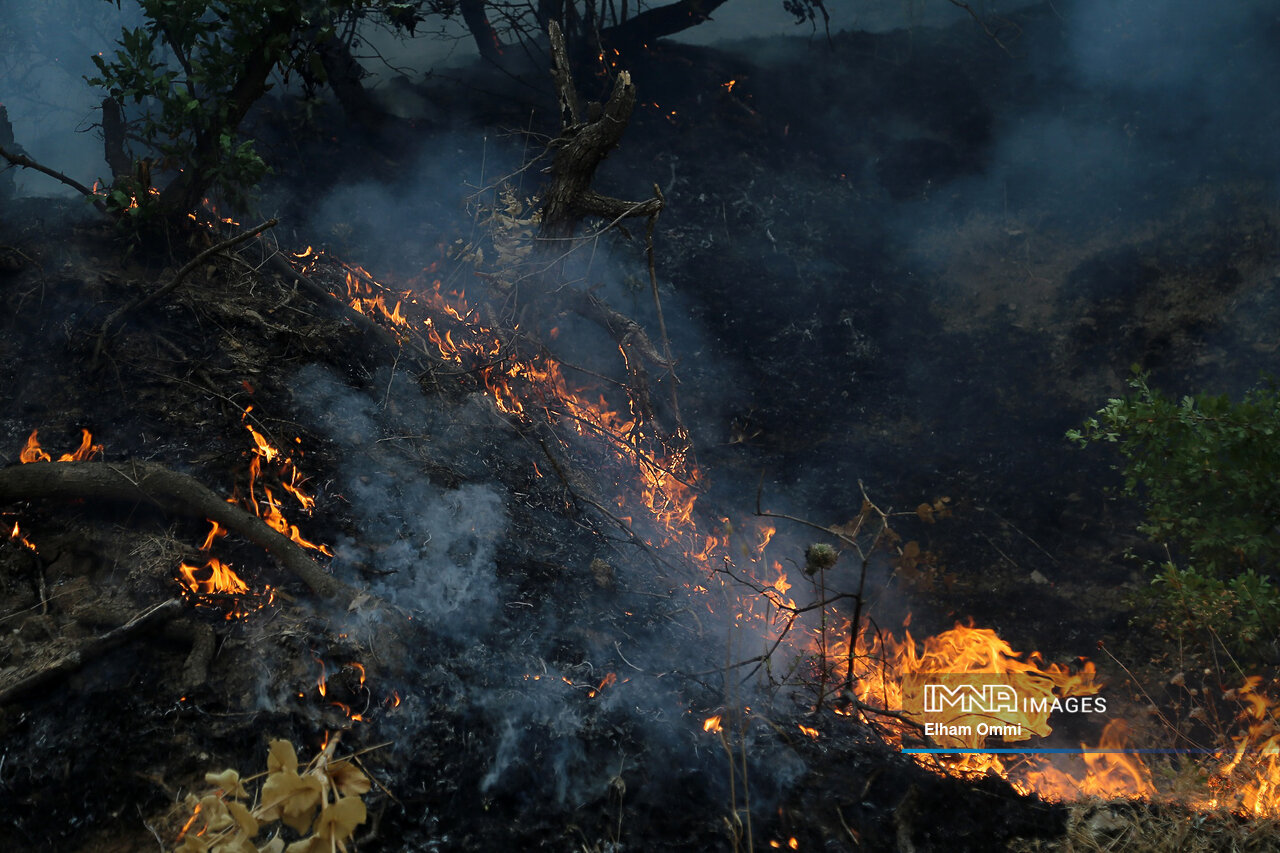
(544, 452)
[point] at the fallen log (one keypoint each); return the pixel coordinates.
(171, 491)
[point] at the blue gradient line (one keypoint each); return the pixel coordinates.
(1079, 751)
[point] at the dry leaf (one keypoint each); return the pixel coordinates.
(280, 756)
(314, 844)
(291, 798)
(849, 530)
(193, 844)
(275, 845)
(228, 781)
(215, 813)
(247, 822)
(348, 779)
(238, 844)
(338, 821)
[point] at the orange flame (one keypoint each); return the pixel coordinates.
(16, 536)
(879, 668)
(33, 452)
(219, 580)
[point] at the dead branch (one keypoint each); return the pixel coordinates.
(139, 481)
(178, 278)
(27, 163)
(628, 334)
(323, 297)
(93, 649)
(580, 149)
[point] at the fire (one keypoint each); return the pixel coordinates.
(871, 670)
(528, 386)
(608, 681)
(218, 579)
(216, 584)
(267, 507)
(1248, 780)
(16, 536)
(33, 452)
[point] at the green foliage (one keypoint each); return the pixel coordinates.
(192, 72)
(1206, 471)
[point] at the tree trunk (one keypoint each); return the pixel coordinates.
(344, 75)
(487, 42)
(580, 149)
(185, 192)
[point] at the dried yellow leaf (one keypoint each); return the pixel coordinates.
(244, 818)
(214, 811)
(291, 798)
(193, 844)
(228, 781)
(280, 756)
(348, 779)
(238, 844)
(338, 820)
(314, 844)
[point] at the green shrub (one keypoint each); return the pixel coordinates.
(191, 74)
(1207, 472)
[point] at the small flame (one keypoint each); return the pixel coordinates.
(607, 681)
(16, 536)
(712, 724)
(213, 578)
(33, 452)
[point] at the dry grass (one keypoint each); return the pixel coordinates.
(1094, 826)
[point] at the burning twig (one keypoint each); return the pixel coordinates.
(280, 264)
(92, 650)
(141, 301)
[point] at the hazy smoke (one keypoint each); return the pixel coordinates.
(427, 549)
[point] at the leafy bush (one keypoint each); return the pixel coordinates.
(193, 71)
(1206, 470)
